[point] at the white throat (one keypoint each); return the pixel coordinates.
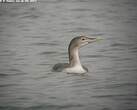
(76, 58)
(75, 64)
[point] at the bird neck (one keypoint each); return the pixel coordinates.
(74, 59)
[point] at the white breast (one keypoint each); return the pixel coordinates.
(75, 69)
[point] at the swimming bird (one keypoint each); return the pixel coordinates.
(74, 65)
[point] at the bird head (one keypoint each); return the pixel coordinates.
(82, 41)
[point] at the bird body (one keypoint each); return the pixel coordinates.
(75, 69)
(74, 65)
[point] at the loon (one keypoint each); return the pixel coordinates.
(74, 65)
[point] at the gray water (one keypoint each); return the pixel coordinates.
(35, 36)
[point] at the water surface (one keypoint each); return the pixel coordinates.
(35, 36)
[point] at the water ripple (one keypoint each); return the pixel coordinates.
(113, 96)
(48, 52)
(7, 85)
(44, 44)
(52, 106)
(32, 16)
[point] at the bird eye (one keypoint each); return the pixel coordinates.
(83, 38)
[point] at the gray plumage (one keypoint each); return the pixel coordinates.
(74, 64)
